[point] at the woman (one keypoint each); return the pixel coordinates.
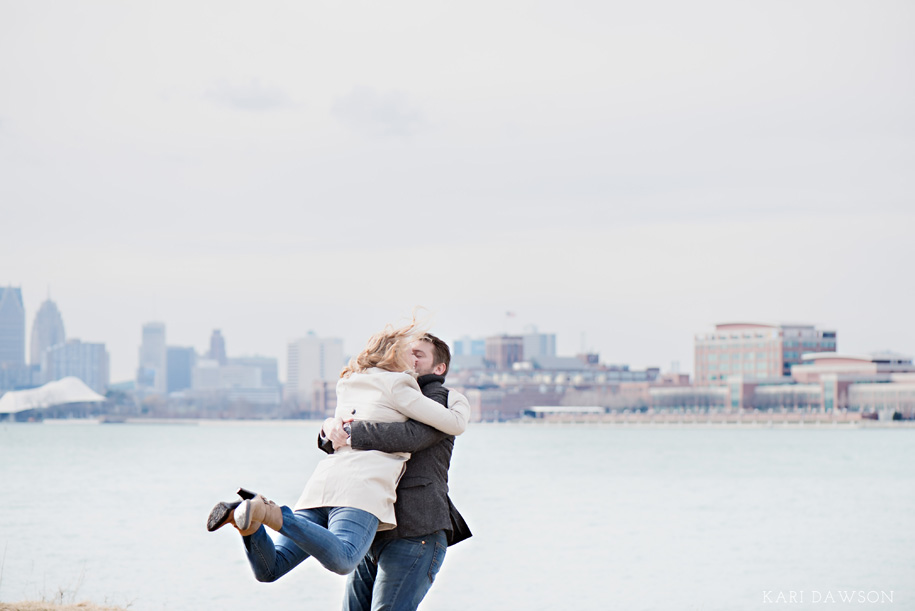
(351, 493)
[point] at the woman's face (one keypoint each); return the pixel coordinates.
(406, 356)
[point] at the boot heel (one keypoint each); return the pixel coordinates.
(245, 493)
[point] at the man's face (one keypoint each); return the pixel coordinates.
(423, 355)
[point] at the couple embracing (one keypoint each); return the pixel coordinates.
(376, 507)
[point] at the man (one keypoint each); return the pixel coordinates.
(402, 563)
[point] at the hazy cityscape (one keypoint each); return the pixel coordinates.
(740, 368)
(666, 243)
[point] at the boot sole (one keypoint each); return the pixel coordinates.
(220, 515)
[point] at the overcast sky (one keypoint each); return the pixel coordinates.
(622, 174)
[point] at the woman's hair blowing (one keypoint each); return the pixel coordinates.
(386, 350)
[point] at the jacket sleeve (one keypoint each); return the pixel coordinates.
(409, 436)
(410, 402)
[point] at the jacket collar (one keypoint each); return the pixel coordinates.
(429, 378)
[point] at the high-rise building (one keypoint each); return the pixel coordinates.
(504, 350)
(17, 377)
(537, 345)
(268, 367)
(86, 361)
(12, 326)
(756, 350)
(152, 373)
(180, 363)
(252, 379)
(210, 375)
(217, 348)
(467, 346)
(310, 359)
(47, 331)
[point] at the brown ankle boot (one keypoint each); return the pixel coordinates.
(248, 531)
(254, 512)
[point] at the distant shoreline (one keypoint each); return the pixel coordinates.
(749, 424)
(32, 605)
(724, 420)
(173, 421)
(648, 421)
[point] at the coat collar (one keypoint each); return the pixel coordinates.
(430, 378)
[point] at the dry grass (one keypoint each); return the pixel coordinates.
(46, 606)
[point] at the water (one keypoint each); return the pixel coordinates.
(563, 516)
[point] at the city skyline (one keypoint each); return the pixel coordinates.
(511, 325)
(635, 173)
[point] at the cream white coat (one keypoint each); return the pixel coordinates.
(367, 479)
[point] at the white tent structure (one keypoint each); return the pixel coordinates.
(60, 392)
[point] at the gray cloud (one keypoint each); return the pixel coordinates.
(251, 96)
(376, 114)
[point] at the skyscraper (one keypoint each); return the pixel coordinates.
(267, 366)
(180, 363)
(86, 361)
(538, 345)
(251, 379)
(217, 348)
(467, 346)
(47, 331)
(12, 326)
(151, 373)
(311, 359)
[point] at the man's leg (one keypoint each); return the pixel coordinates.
(341, 545)
(406, 569)
(359, 583)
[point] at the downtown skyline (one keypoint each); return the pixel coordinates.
(124, 368)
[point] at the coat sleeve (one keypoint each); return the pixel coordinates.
(455, 398)
(410, 402)
(410, 436)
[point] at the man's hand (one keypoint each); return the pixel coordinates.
(333, 430)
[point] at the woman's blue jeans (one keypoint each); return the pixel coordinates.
(338, 538)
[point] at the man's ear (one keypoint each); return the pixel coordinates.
(439, 369)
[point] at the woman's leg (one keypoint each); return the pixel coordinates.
(271, 559)
(341, 545)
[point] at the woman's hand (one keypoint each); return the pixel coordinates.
(333, 430)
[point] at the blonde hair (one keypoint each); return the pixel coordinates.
(386, 350)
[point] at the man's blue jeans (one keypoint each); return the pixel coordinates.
(338, 538)
(395, 574)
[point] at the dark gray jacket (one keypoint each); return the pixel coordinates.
(422, 506)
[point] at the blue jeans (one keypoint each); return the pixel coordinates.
(338, 538)
(396, 573)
